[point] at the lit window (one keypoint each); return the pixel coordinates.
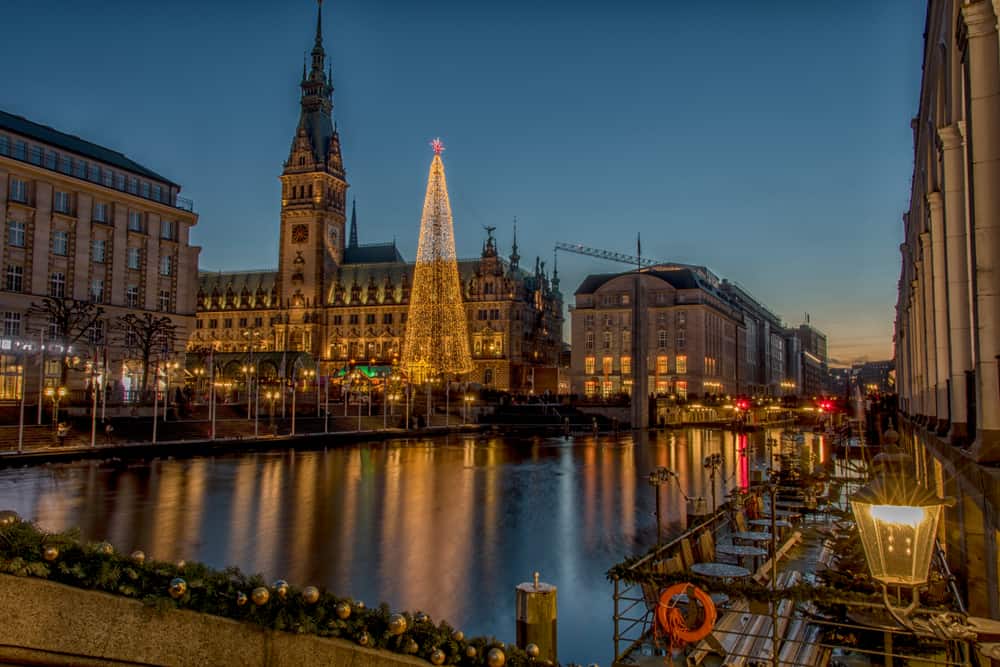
(606, 365)
(662, 367)
(589, 388)
(15, 233)
(682, 388)
(682, 364)
(626, 365)
(588, 365)
(662, 386)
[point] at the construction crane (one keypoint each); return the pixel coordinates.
(609, 255)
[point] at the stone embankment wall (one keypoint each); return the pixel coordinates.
(45, 623)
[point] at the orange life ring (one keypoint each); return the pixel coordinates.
(670, 621)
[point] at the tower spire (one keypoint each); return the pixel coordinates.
(354, 224)
(514, 257)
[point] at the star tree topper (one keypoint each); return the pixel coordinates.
(437, 145)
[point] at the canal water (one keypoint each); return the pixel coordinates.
(446, 525)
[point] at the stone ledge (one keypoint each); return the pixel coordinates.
(47, 623)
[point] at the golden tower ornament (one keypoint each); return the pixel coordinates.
(437, 340)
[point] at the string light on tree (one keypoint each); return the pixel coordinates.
(437, 340)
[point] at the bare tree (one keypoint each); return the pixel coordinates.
(67, 321)
(147, 335)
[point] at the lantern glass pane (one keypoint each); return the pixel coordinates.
(898, 540)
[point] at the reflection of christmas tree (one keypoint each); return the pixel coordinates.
(436, 336)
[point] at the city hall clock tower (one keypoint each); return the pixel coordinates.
(313, 193)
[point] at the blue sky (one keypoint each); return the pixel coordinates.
(769, 141)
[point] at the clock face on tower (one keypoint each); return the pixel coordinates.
(300, 234)
(332, 240)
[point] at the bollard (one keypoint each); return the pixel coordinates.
(536, 617)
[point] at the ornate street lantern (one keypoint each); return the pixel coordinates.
(897, 520)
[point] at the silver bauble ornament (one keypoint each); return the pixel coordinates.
(532, 650)
(178, 587)
(470, 652)
(310, 595)
(260, 595)
(343, 611)
(364, 639)
(138, 556)
(8, 517)
(50, 553)
(397, 624)
(105, 549)
(458, 635)
(281, 588)
(495, 658)
(241, 599)
(359, 605)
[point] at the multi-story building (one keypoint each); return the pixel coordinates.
(86, 223)
(812, 347)
(334, 301)
(691, 333)
(702, 335)
(947, 330)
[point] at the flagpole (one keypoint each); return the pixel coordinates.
(41, 372)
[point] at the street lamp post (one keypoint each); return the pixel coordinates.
(294, 392)
(55, 395)
(656, 478)
(713, 462)
(326, 410)
(466, 407)
(20, 422)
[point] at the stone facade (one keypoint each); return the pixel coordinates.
(84, 222)
(947, 329)
(342, 302)
(702, 335)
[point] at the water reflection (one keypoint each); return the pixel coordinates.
(448, 525)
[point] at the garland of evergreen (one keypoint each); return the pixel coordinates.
(27, 551)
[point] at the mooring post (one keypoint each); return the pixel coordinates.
(536, 617)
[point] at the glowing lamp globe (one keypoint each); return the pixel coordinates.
(897, 521)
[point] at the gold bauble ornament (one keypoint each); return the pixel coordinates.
(260, 595)
(310, 595)
(181, 564)
(470, 652)
(437, 657)
(411, 647)
(495, 658)
(138, 556)
(421, 617)
(241, 599)
(8, 518)
(343, 610)
(178, 587)
(397, 624)
(281, 588)
(364, 639)
(105, 549)
(50, 553)
(532, 650)
(458, 635)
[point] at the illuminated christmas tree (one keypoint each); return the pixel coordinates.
(437, 340)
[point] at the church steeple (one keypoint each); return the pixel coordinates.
(316, 116)
(354, 225)
(514, 257)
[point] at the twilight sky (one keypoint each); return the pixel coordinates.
(769, 141)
